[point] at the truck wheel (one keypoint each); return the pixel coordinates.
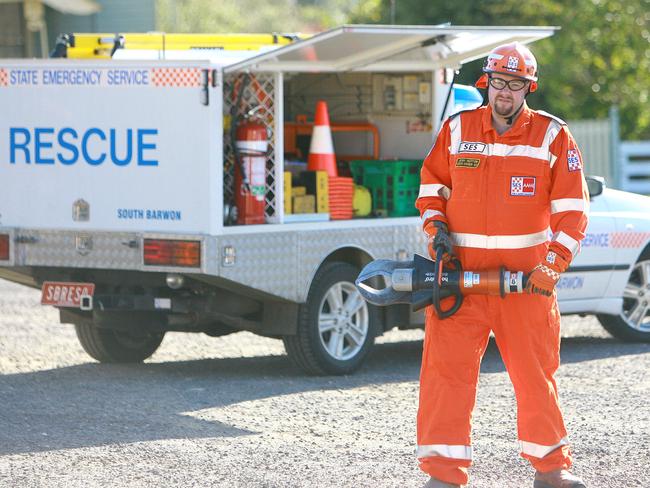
(633, 323)
(336, 327)
(117, 346)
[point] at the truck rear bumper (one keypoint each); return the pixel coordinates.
(267, 261)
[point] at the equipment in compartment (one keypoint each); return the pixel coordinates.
(394, 185)
(362, 201)
(252, 146)
(341, 195)
(250, 98)
(306, 196)
(321, 148)
(407, 93)
(293, 131)
(317, 183)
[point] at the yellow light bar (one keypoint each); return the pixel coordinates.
(102, 45)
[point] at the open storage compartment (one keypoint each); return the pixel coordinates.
(387, 90)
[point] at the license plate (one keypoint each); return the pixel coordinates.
(65, 294)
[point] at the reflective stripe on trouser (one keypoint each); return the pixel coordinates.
(526, 328)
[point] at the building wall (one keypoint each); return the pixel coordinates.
(12, 39)
(115, 16)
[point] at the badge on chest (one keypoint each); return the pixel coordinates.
(472, 147)
(468, 163)
(522, 186)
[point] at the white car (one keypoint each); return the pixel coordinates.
(611, 275)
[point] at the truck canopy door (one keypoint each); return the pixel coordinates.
(389, 48)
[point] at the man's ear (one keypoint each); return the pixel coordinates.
(482, 82)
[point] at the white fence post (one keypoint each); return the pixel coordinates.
(595, 138)
(635, 166)
(615, 147)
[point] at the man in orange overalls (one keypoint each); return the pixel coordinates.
(494, 183)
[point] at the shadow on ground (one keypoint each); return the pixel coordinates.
(98, 404)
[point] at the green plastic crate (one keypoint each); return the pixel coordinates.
(394, 184)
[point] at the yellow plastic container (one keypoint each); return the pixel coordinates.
(362, 201)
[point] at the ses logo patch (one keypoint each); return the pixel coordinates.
(573, 160)
(522, 186)
(513, 62)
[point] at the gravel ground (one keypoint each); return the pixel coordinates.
(232, 412)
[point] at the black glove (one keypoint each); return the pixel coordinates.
(441, 239)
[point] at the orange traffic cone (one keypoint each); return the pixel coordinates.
(321, 149)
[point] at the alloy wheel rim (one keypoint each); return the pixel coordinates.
(636, 298)
(343, 321)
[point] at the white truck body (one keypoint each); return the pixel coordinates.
(140, 153)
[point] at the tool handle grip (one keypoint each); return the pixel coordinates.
(443, 314)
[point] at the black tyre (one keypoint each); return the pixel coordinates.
(336, 327)
(633, 323)
(117, 346)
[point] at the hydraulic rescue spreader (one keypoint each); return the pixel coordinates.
(423, 282)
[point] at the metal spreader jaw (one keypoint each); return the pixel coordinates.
(418, 283)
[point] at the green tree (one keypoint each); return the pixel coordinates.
(599, 58)
(309, 16)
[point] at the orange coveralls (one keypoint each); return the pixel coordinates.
(499, 195)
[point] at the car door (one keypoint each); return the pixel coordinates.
(590, 272)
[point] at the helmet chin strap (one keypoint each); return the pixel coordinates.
(510, 119)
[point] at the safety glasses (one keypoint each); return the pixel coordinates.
(513, 85)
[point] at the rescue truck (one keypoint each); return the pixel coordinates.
(147, 182)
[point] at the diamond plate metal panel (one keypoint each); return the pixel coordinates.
(105, 250)
(264, 261)
(211, 256)
(409, 238)
(61, 248)
(316, 246)
(283, 263)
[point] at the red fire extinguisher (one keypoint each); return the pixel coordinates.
(252, 146)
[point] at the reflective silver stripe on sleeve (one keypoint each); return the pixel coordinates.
(455, 133)
(434, 190)
(499, 242)
(429, 214)
(540, 450)
(445, 450)
(567, 241)
(552, 131)
(567, 204)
